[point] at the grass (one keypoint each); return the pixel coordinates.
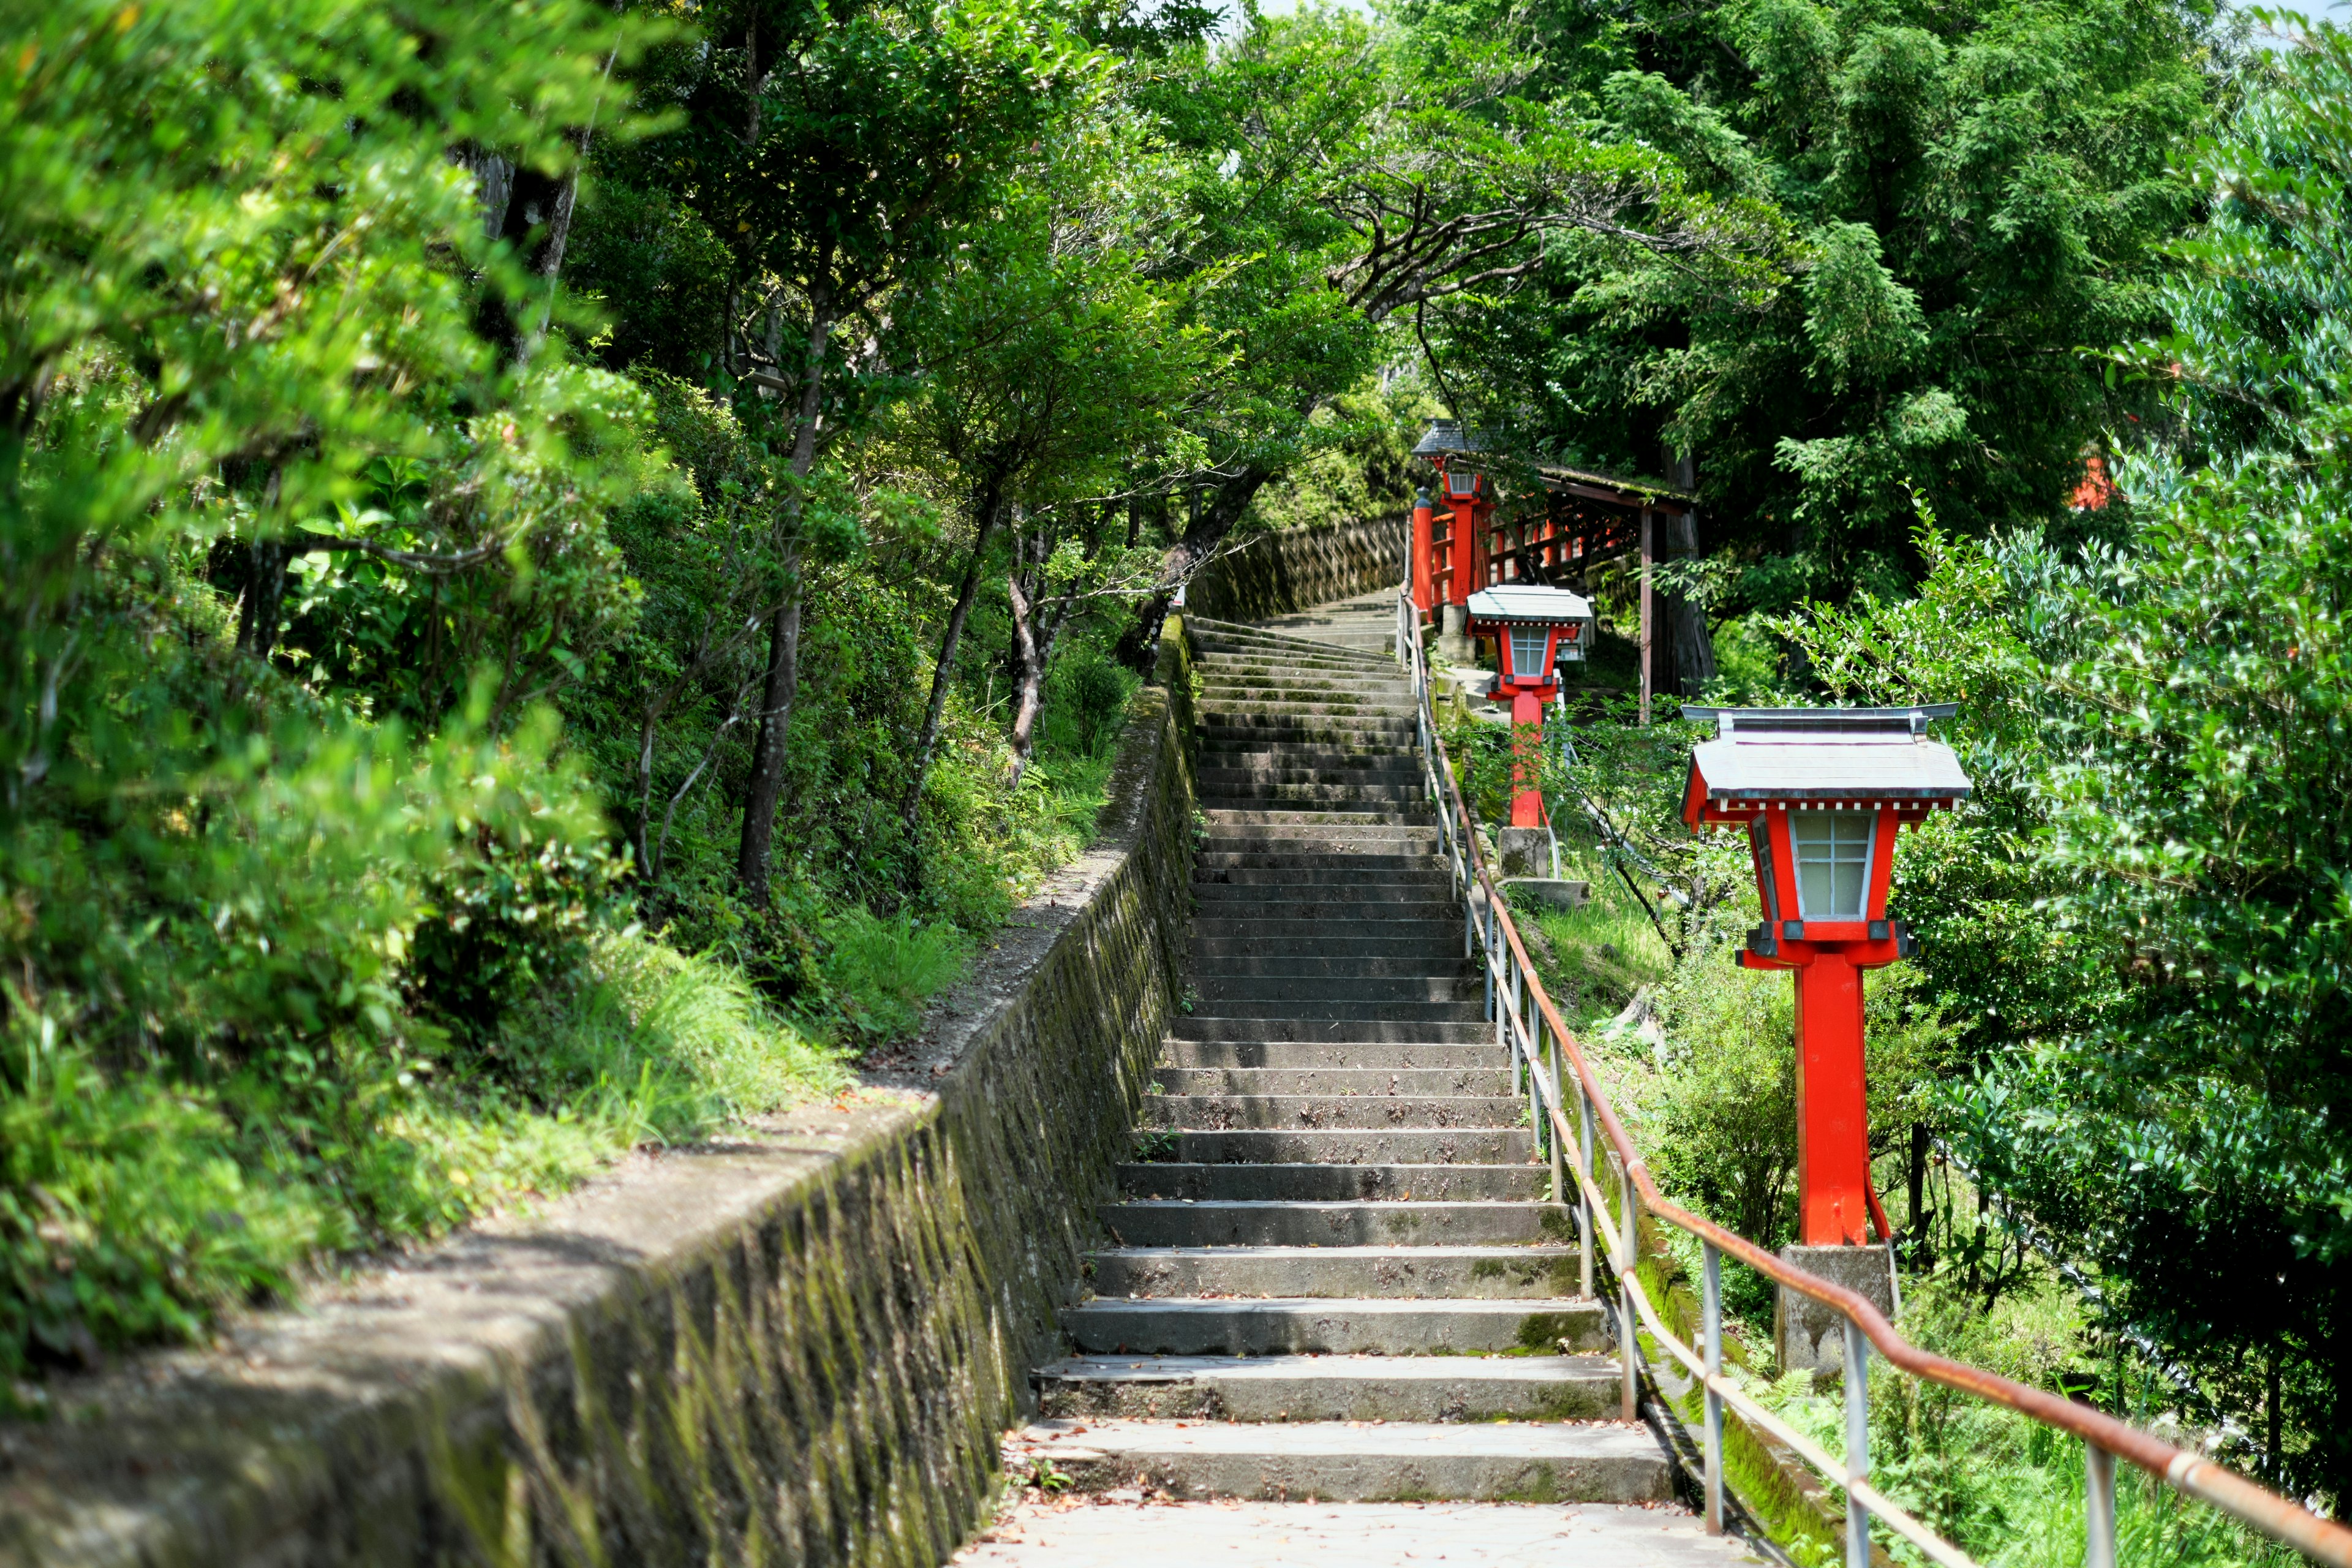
(1592, 959)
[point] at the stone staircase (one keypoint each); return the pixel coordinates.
(1339, 1277)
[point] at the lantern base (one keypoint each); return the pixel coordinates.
(1808, 1336)
(1552, 892)
(1453, 644)
(1523, 851)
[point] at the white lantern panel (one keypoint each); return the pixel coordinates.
(1833, 862)
(1528, 650)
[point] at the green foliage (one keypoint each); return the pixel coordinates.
(1970, 194)
(881, 971)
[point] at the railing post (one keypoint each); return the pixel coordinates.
(1711, 1276)
(1857, 1445)
(2099, 1516)
(1584, 1236)
(1630, 1261)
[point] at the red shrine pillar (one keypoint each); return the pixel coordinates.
(1424, 548)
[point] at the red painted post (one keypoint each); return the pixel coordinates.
(1424, 548)
(1832, 1125)
(1527, 743)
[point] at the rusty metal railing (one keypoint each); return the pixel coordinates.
(1584, 1140)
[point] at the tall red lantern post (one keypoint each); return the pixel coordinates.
(1446, 573)
(1534, 631)
(1822, 794)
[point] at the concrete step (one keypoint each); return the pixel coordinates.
(1446, 1273)
(1223, 946)
(1311, 903)
(1418, 1222)
(1347, 835)
(1223, 926)
(1358, 1146)
(1218, 636)
(1282, 775)
(1336, 1462)
(1417, 1015)
(1488, 1077)
(1329, 1388)
(1380, 1056)
(1246, 794)
(1210, 865)
(1444, 964)
(1263, 1029)
(1218, 817)
(1321, 1182)
(1309, 1113)
(1370, 734)
(1295, 991)
(1423, 877)
(1262, 710)
(1425, 884)
(1260, 753)
(1313, 1326)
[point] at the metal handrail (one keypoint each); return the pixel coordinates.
(1512, 986)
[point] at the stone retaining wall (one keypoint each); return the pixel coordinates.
(1294, 569)
(797, 1345)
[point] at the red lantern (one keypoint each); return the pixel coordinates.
(1534, 631)
(1822, 794)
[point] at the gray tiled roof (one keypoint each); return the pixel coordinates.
(1826, 754)
(1525, 602)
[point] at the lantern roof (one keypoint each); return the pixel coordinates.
(1523, 602)
(1447, 438)
(1781, 754)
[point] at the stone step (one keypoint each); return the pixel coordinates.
(1446, 1273)
(1283, 774)
(1336, 1462)
(1224, 925)
(1260, 753)
(1384, 858)
(1419, 1222)
(1295, 991)
(1263, 1029)
(1266, 710)
(1222, 946)
(1249, 794)
(1310, 904)
(1359, 1145)
(1370, 1083)
(1382, 1056)
(1309, 1113)
(1417, 1015)
(1318, 1326)
(1369, 735)
(1350, 820)
(1216, 635)
(1321, 1182)
(1329, 1388)
(1419, 875)
(1334, 833)
(1446, 964)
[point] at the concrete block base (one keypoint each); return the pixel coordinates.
(1523, 851)
(1453, 644)
(1558, 892)
(1810, 1337)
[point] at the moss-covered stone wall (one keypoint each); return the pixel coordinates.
(1291, 569)
(797, 1346)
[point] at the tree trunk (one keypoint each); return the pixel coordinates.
(1691, 649)
(765, 790)
(264, 600)
(1029, 674)
(1208, 530)
(989, 502)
